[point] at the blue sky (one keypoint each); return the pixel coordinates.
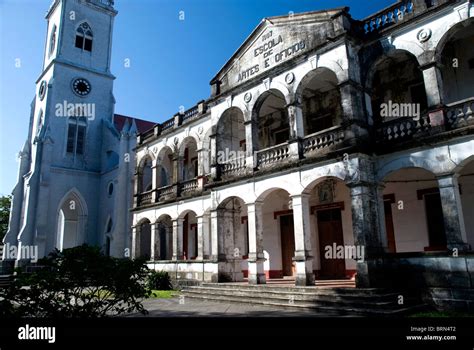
(172, 61)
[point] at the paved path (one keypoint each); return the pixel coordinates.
(201, 308)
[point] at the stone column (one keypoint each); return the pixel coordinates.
(256, 257)
(295, 119)
(135, 189)
(366, 230)
(251, 140)
(452, 212)
(213, 143)
(135, 242)
(154, 180)
(178, 239)
(200, 238)
(353, 114)
(303, 252)
(381, 216)
(214, 235)
(433, 84)
(153, 235)
(206, 247)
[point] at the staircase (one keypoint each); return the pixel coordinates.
(328, 300)
(5, 280)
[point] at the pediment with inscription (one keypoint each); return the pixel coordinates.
(277, 40)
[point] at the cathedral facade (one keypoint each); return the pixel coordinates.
(329, 148)
(74, 180)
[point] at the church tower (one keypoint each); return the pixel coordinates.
(56, 202)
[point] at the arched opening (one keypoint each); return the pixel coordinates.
(144, 240)
(190, 239)
(84, 37)
(321, 100)
(272, 118)
(164, 238)
(71, 222)
(457, 63)
(466, 189)
(165, 167)
(332, 238)
(230, 136)
(413, 212)
(145, 175)
(278, 234)
(233, 238)
(398, 88)
(188, 159)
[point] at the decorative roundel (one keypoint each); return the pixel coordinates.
(81, 86)
(248, 97)
(424, 35)
(42, 90)
(290, 78)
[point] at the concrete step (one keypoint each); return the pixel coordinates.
(329, 309)
(340, 300)
(264, 290)
(383, 300)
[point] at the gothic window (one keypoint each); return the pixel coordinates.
(52, 41)
(76, 135)
(84, 37)
(39, 124)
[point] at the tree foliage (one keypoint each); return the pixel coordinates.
(5, 203)
(77, 282)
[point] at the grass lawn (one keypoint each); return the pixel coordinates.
(442, 314)
(163, 294)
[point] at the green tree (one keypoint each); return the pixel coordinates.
(77, 282)
(5, 203)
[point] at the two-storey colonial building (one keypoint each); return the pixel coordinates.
(323, 135)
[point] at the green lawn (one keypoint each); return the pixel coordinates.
(163, 294)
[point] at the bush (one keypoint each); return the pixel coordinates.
(77, 282)
(159, 280)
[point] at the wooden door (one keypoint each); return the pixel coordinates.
(389, 227)
(435, 221)
(287, 244)
(330, 232)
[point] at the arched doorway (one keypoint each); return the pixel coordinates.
(232, 238)
(332, 236)
(413, 212)
(397, 88)
(230, 139)
(144, 240)
(457, 62)
(321, 100)
(188, 160)
(190, 239)
(272, 117)
(165, 167)
(278, 234)
(71, 221)
(145, 175)
(164, 238)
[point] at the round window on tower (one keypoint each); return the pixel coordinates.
(110, 188)
(42, 90)
(81, 87)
